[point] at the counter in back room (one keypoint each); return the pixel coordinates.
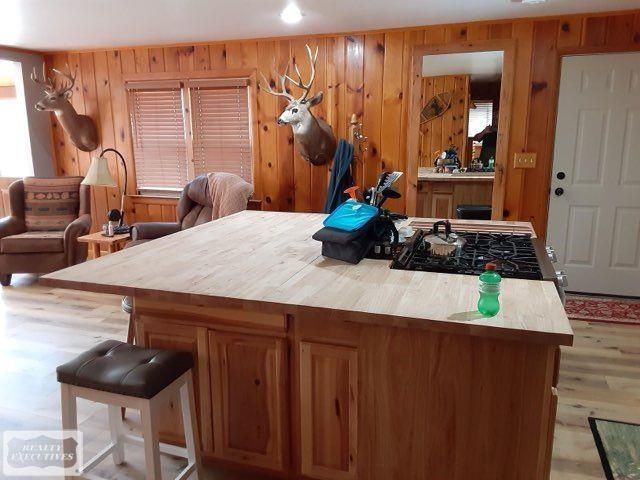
(310, 366)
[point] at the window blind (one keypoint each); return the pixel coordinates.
(480, 117)
(221, 127)
(159, 140)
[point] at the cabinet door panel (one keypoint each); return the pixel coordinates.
(248, 391)
(328, 410)
(164, 335)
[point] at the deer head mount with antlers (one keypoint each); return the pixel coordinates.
(80, 128)
(313, 136)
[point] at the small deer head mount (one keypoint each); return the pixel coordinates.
(313, 136)
(80, 128)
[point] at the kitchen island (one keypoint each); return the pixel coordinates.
(310, 367)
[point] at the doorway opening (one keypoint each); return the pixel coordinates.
(15, 146)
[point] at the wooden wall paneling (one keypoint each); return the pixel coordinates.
(107, 132)
(543, 67)
(186, 61)
(218, 56)
(284, 139)
(594, 31)
(320, 173)
(67, 149)
(78, 101)
(433, 35)
(478, 31)
(504, 128)
(336, 71)
(523, 33)
(354, 77)
(456, 33)
(391, 134)
(201, 58)
(57, 135)
(447, 119)
(619, 30)
(411, 39)
(301, 168)
(346, 66)
(267, 115)
(439, 86)
(426, 151)
(142, 60)
(242, 54)
(99, 199)
(569, 34)
(155, 213)
(500, 31)
(119, 64)
(171, 59)
(372, 106)
(156, 60)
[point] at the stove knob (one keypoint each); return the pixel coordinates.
(552, 254)
(561, 276)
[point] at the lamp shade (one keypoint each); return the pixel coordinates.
(99, 174)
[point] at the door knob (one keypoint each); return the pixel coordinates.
(559, 191)
(560, 175)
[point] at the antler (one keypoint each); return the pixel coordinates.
(64, 87)
(267, 88)
(46, 82)
(300, 84)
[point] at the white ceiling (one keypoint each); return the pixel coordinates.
(81, 24)
(480, 65)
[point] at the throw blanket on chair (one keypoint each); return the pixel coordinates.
(229, 194)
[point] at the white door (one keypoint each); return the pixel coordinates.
(594, 221)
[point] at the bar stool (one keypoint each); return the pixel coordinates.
(122, 375)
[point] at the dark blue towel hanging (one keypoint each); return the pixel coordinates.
(341, 176)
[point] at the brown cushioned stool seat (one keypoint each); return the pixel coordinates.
(125, 369)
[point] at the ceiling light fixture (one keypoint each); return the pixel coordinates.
(291, 14)
(529, 2)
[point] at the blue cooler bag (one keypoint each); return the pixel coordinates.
(351, 216)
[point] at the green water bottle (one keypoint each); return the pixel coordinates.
(489, 287)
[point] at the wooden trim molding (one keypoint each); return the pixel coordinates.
(504, 122)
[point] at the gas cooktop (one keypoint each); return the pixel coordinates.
(514, 255)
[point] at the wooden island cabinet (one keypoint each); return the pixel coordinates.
(307, 367)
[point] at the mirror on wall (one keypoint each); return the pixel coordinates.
(460, 105)
(458, 133)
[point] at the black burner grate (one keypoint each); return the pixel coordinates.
(514, 255)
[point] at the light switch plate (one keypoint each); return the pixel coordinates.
(525, 160)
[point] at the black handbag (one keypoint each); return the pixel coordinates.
(349, 247)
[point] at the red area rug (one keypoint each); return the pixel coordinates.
(603, 309)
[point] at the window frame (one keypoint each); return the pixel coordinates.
(479, 101)
(184, 77)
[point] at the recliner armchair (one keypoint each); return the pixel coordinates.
(41, 234)
(194, 208)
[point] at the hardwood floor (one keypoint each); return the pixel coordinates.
(42, 327)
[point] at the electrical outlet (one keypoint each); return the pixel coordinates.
(525, 160)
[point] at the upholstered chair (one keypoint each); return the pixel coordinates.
(194, 208)
(41, 234)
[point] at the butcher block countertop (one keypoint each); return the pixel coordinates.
(426, 174)
(267, 261)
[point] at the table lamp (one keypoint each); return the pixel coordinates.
(99, 174)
